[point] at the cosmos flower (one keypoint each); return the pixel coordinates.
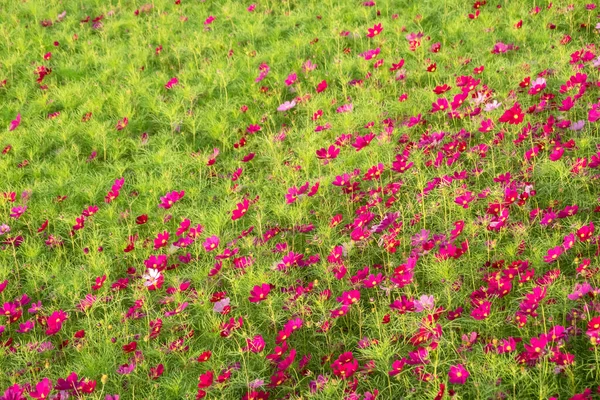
(288, 105)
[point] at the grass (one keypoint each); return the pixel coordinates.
(118, 67)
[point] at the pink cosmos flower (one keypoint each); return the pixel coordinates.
(594, 113)
(26, 327)
(345, 108)
(308, 66)
(291, 79)
(288, 105)
(42, 389)
(220, 305)
(172, 82)
(553, 254)
(211, 243)
(259, 293)
(581, 289)
(55, 322)
(369, 54)
(126, 369)
(15, 123)
(255, 345)
(16, 212)
(374, 31)
(240, 210)
(502, 48)
(161, 240)
(425, 302)
(482, 311)
(171, 198)
(464, 199)
(492, 106)
(486, 126)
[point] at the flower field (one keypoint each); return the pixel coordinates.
(294, 199)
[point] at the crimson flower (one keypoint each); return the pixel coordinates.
(513, 115)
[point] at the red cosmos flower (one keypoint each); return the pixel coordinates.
(130, 347)
(156, 372)
(121, 124)
(374, 31)
(259, 293)
(205, 380)
(441, 89)
(155, 328)
(142, 219)
(256, 395)
(43, 226)
(397, 367)
(99, 282)
(513, 115)
(397, 66)
(474, 16)
(345, 366)
(321, 86)
(204, 356)
(42, 71)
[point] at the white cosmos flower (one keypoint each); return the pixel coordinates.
(151, 276)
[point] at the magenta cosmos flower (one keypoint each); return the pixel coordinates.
(458, 374)
(259, 293)
(211, 243)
